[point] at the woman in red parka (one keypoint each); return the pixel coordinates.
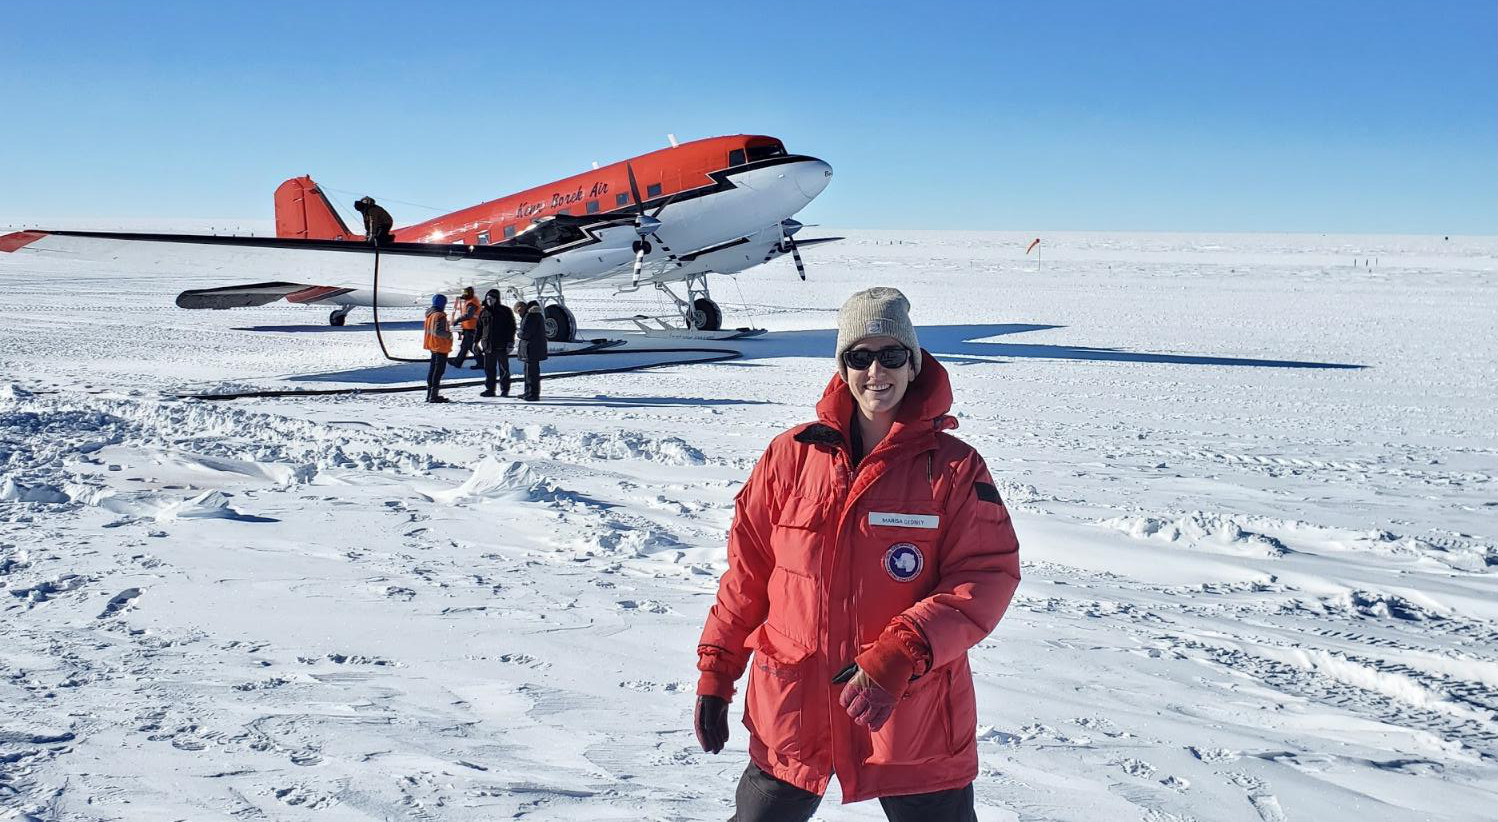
(869, 551)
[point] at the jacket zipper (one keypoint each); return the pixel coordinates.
(844, 490)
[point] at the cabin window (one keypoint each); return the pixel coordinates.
(736, 157)
(592, 206)
(766, 150)
(565, 211)
(483, 238)
(509, 231)
(654, 190)
(621, 199)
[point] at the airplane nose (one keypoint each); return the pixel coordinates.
(812, 176)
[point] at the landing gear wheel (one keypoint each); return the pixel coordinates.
(338, 317)
(706, 315)
(561, 326)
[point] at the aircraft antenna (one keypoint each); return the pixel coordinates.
(753, 321)
(354, 194)
(672, 138)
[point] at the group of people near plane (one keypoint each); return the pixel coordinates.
(489, 332)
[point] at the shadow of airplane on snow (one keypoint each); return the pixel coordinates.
(966, 345)
(324, 328)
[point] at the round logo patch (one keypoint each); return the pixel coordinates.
(903, 561)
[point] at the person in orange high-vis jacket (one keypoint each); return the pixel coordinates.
(465, 318)
(869, 551)
(438, 341)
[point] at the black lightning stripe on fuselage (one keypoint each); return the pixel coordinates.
(721, 182)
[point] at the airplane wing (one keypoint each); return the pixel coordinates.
(809, 241)
(238, 296)
(309, 270)
(692, 256)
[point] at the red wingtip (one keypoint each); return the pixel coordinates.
(20, 239)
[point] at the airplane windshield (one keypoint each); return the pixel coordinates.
(547, 233)
(765, 150)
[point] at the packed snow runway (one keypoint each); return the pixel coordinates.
(1253, 478)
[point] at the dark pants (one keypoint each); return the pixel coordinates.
(434, 374)
(497, 362)
(532, 380)
(763, 798)
(466, 346)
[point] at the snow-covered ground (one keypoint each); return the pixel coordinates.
(1253, 478)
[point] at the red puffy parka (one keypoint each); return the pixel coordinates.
(909, 557)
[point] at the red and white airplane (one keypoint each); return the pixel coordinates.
(670, 217)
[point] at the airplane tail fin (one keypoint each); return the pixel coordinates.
(303, 211)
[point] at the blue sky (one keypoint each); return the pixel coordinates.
(1325, 116)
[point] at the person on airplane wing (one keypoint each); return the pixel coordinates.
(439, 342)
(496, 334)
(869, 551)
(531, 349)
(465, 318)
(377, 221)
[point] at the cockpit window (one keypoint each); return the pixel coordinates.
(547, 233)
(736, 157)
(765, 149)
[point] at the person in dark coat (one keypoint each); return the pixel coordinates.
(377, 221)
(532, 349)
(496, 335)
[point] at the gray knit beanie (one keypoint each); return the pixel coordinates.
(876, 312)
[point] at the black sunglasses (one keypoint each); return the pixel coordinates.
(860, 358)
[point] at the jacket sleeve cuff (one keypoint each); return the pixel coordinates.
(712, 683)
(889, 665)
(900, 654)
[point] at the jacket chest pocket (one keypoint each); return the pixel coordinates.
(905, 534)
(895, 555)
(796, 535)
(797, 539)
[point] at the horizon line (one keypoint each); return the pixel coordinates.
(13, 224)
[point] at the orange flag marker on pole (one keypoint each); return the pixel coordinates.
(1035, 244)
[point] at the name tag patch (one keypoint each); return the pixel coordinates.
(904, 520)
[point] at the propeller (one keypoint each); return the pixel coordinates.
(788, 229)
(646, 225)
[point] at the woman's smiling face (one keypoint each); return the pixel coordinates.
(878, 389)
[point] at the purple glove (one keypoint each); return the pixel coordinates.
(711, 722)
(868, 704)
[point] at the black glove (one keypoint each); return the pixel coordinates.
(711, 721)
